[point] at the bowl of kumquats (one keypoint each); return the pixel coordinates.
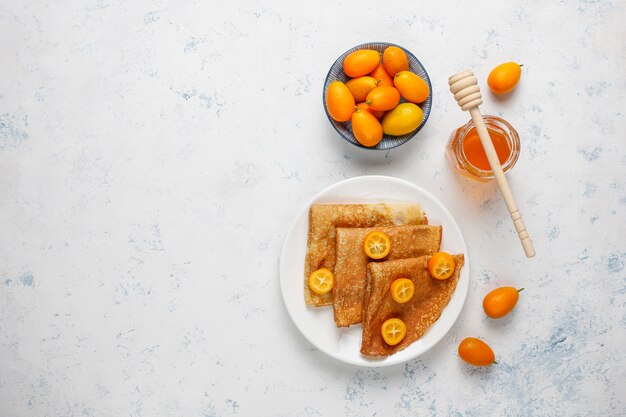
(377, 95)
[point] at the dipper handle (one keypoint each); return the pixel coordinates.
(464, 86)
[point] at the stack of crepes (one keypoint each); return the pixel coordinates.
(361, 291)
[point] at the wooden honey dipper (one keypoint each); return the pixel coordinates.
(464, 86)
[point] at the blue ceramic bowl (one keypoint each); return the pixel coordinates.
(345, 128)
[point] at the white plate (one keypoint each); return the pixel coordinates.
(316, 323)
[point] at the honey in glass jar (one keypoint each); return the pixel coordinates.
(467, 156)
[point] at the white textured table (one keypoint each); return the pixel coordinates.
(154, 153)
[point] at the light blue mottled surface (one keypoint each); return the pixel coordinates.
(153, 154)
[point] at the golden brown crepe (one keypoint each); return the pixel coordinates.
(351, 262)
(324, 218)
(431, 297)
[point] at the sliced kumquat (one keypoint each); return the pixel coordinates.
(321, 281)
(393, 331)
(402, 290)
(441, 265)
(377, 245)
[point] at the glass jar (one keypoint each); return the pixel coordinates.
(467, 157)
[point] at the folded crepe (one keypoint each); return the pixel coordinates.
(430, 298)
(351, 262)
(324, 218)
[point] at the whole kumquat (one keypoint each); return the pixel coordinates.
(405, 118)
(476, 352)
(360, 87)
(339, 101)
(411, 86)
(499, 302)
(377, 113)
(361, 62)
(383, 98)
(503, 78)
(395, 60)
(381, 75)
(366, 128)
